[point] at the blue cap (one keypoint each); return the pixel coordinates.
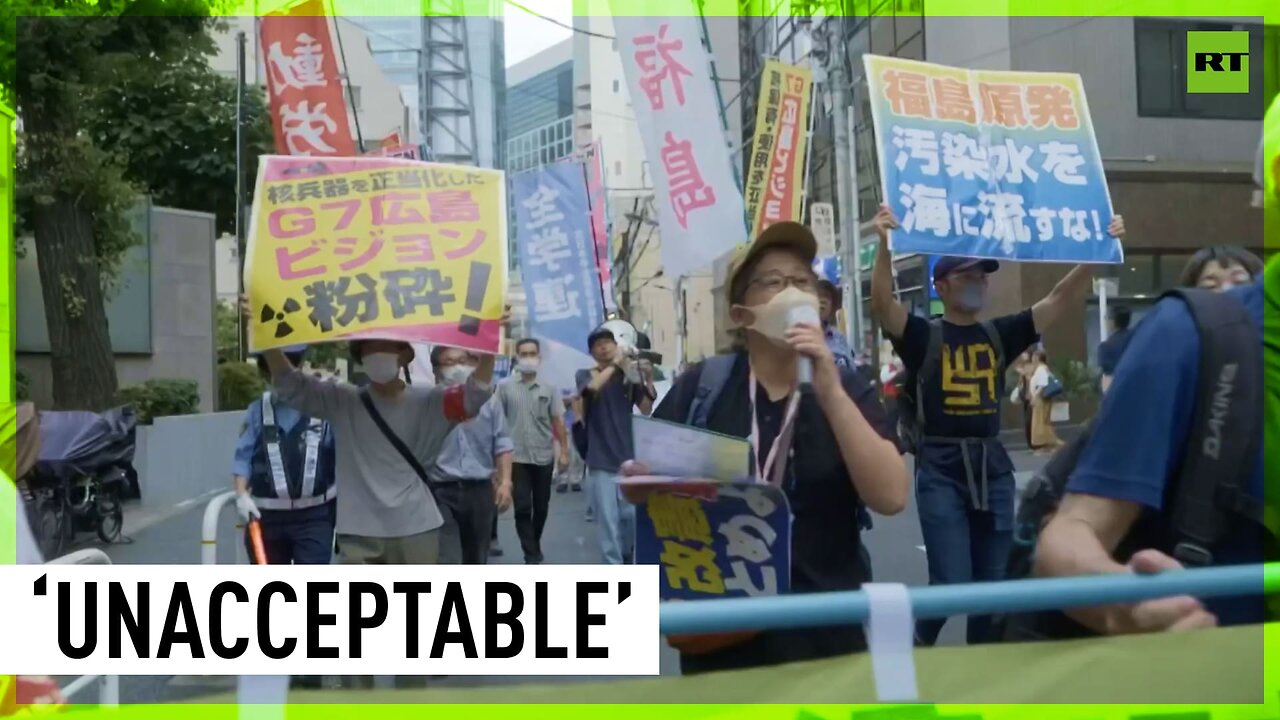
(952, 263)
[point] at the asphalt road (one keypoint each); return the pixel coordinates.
(172, 536)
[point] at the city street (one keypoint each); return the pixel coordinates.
(896, 552)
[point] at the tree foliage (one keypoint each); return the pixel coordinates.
(72, 191)
(175, 133)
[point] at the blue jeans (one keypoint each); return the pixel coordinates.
(963, 544)
(615, 517)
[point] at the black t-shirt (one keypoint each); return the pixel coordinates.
(965, 402)
(825, 538)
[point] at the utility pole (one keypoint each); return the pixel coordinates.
(846, 182)
(241, 243)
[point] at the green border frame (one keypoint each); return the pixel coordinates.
(1269, 11)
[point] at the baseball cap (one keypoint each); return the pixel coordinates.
(600, 334)
(953, 264)
(356, 348)
(786, 235)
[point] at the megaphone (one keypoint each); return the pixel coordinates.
(632, 342)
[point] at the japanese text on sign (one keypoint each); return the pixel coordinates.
(775, 171)
(374, 247)
(669, 80)
(990, 164)
(309, 111)
(736, 543)
(557, 252)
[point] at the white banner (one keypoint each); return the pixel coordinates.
(330, 620)
(700, 206)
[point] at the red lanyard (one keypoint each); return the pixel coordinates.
(769, 469)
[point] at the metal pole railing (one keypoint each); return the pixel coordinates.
(209, 527)
(842, 608)
(108, 685)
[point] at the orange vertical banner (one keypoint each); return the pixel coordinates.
(308, 105)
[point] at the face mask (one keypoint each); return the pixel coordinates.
(770, 319)
(528, 366)
(456, 374)
(382, 368)
(1226, 286)
(970, 298)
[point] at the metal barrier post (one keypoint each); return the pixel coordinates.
(108, 685)
(109, 691)
(209, 527)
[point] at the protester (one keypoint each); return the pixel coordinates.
(1024, 366)
(829, 447)
(1110, 350)
(964, 476)
(386, 514)
(828, 303)
(471, 476)
(1221, 268)
(1118, 513)
(1218, 268)
(1043, 438)
(570, 473)
(284, 476)
(535, 416)
(609, 391)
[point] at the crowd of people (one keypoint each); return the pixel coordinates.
(427, 470)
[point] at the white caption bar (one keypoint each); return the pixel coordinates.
(329, 620)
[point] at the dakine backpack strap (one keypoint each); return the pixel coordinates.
(712, 378)
(997, 344)
(1223, 445)
(931, 366)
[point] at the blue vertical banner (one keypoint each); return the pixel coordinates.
(557, 253)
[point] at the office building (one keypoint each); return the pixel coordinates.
(470, 94)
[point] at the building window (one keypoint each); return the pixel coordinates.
(1161, 57)
(615, 87)
(617, 168)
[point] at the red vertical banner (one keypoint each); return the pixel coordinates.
(308, 107)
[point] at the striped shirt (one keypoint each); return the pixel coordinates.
(531, 408)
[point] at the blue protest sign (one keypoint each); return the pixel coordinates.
(716, 541)
(557, 252)
(991, 164)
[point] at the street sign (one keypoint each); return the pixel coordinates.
(867, 253)
(822, 221)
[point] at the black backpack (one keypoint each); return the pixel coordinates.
(1207, 499)
(911, 386)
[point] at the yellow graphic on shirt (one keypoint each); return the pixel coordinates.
(968, 371)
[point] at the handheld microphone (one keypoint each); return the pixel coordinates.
(803, 315)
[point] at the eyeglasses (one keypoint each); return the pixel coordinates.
(777, 282)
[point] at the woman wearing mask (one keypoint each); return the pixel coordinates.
(1221, 268)
(1043, 438)
(828, 447)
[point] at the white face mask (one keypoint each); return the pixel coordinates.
(456, 374)
(528, 366)
(381, 368)
(770, 319)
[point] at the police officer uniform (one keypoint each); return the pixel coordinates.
(289, 462)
